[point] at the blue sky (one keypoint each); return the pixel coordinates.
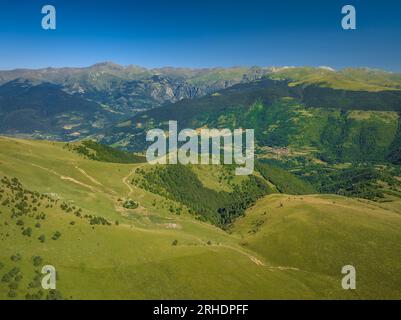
(201, 33)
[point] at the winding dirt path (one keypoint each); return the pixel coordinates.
(126, 182)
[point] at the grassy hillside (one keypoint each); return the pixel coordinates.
(348, 79)
(320, 234)
(134, 259)
(103, 249)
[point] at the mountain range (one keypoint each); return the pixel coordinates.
(74, 103)
(334, 124)
(100, 95)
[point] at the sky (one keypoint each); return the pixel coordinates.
(192, 33)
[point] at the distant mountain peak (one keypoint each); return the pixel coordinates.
(107, 64)
(327, 68)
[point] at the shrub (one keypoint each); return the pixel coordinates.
(130, 204)
(14, 271)
(12, 294)
(16, 257)
(175, 242)
(99, 221)
(36, 282)
(34, 296)
(37, 260)
(13, 285)
(54, 295)
(56, 235)
(27, 232)
(6, 278)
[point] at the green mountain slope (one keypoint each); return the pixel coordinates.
(359, 79)
(335, 126)
(154, 252)
(44, 110)
(321, 234)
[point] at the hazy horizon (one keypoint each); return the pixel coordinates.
(198, 68)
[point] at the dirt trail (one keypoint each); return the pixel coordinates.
(243, 252)
(88, 176)
(126, 182)
(62, 177)
(111, 191)
(281, 268)
(259, 262)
